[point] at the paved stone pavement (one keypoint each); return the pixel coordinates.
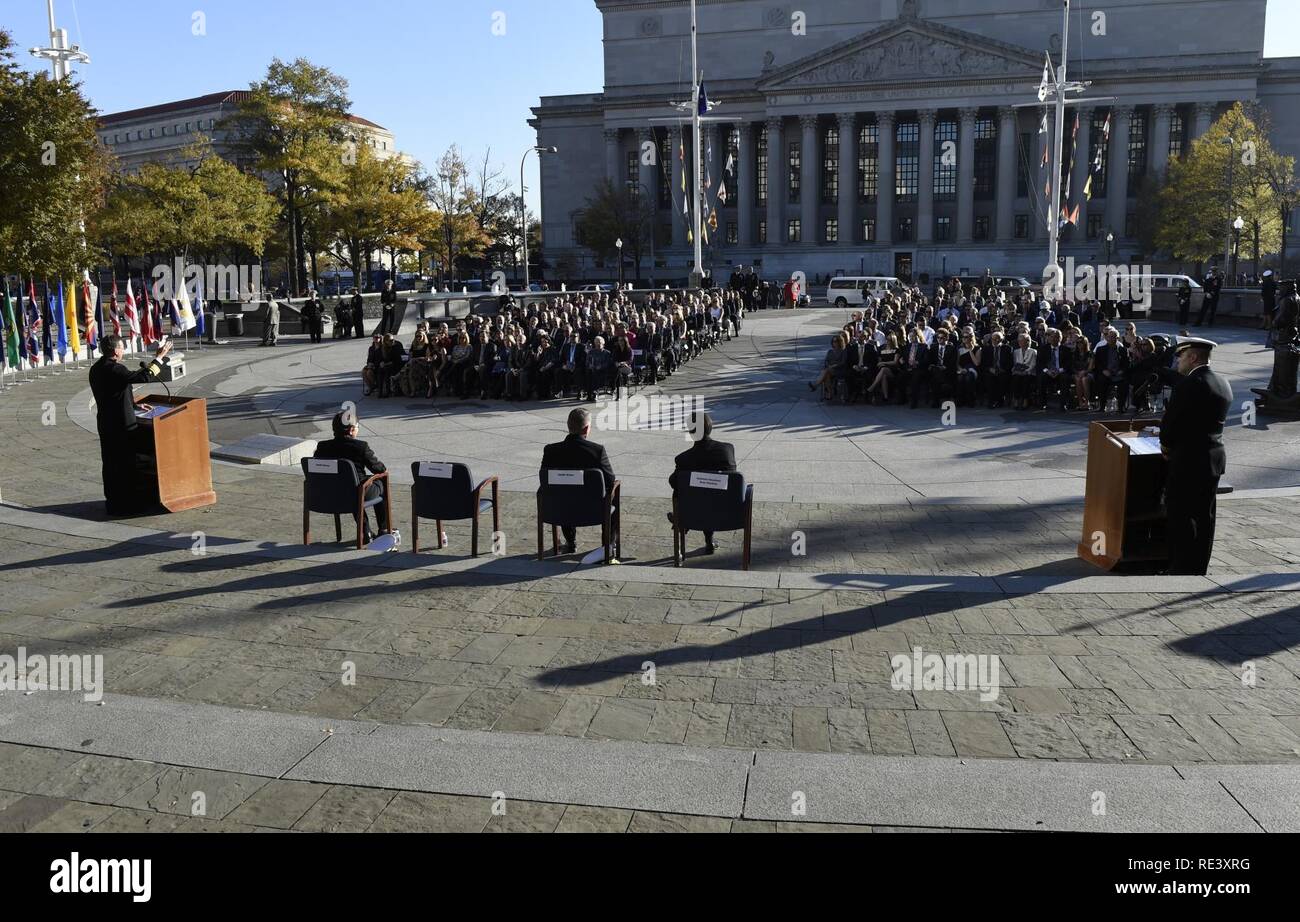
(1139, 671)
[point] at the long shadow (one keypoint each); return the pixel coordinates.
(879, 616)
(1263, 635)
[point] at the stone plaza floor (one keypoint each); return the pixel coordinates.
(528, 679)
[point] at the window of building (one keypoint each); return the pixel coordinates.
(733, 157)
(733, 232)
(868, 230)
(1022, 227)
(762, 232)
(904, 229)
(986, 157)
(982, 227)
(1022, 164)
(1177, 134)
(832, 231)
(1094, 226)
(1095, 145)
(794, 164)
(945, 174)
(794, 231)
(868, 162)
(1137, 147)
(761, 171)
(908, 161)
(942, 228)
(831, 166)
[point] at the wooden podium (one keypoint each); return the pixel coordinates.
(1123, 514)
(178, 441)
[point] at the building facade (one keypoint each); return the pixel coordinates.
(161, 133)
(897, 137)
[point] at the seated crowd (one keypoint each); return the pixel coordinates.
(984, 347)
(582, 344)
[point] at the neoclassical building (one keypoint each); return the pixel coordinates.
(897, 137)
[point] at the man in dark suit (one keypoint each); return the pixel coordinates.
(1054, 371)
(1184, 303)
(943, 367)
(705, 455)
(359, 313)
(1213, 285)
(313, 317)
(1191, 439)
(345, 446)
(1111, 362)
(119, 431)
(388, 299)
(578, 453)
(997, 359)
(916, 365)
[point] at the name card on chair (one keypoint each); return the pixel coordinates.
(565, 478)
(315, 466)
(440, 470)
(710, 481)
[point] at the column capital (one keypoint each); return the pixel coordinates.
(773, 123)
(1206, 108)
(1122, 110)
(1164, 110)
(1007, 113)
(645, 134)
(927, 116)
(968, 115)
(610, 134)
(886, 117)
(847, 120)
(808, 121)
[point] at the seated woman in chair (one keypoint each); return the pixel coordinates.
(420, 369)
(621, 353)
(968, 365)
(458, 364)
(887, 370)
(370, 373)
(832, 368)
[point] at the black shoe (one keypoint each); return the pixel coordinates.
(568, 549)
(710, 549)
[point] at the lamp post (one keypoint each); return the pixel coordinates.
(1237, 225)
(619, 244)
(523, 209)
(1110, 245)
(1232, 162)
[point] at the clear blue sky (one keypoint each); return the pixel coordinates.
(431, 71)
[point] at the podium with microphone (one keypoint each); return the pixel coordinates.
(1124, 515)
(174, 434)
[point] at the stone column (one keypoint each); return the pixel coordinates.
(776, 186)
(1204, 117)
(613, 153)
(1117, 172)
(810, 192)
(848, 123)
(885, 183)
(966, 177)
(676, 140)
(745, 185)
(1008, 142)
(1161, 130)
(1082, 167)
(925, 194)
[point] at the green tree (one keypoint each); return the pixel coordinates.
(298, 131)
(53, 171)
(1197, 205)
(455, 234)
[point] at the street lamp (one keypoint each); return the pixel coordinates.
(1232, 162)
(1237, 225)
(523, 209)
(619, 243)
(1110, 245)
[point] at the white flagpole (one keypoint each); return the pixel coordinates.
(1058, 146)
(696, 172)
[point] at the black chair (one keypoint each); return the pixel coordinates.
(714, 502)
(334, 488)
(446, 493)
(578, 499)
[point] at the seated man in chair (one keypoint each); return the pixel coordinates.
(704, 455)
(345, 446)
(578, 453)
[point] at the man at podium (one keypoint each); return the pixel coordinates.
(111, 383)
(1191, 439)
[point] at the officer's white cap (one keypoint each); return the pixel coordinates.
(1194, 342)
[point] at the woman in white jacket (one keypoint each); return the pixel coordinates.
(1024, 371)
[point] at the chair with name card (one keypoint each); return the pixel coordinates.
(578, 499)
(711, 502)
(445, 492)
(333, 487)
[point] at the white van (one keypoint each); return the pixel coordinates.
(1164, 288)
(852, 290)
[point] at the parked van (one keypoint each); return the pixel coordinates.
(852, 290)
(1164, 295)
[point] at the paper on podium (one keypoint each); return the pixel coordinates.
(1143, 445)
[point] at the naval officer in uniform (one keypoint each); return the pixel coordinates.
(111, 383)
(1191, 439)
